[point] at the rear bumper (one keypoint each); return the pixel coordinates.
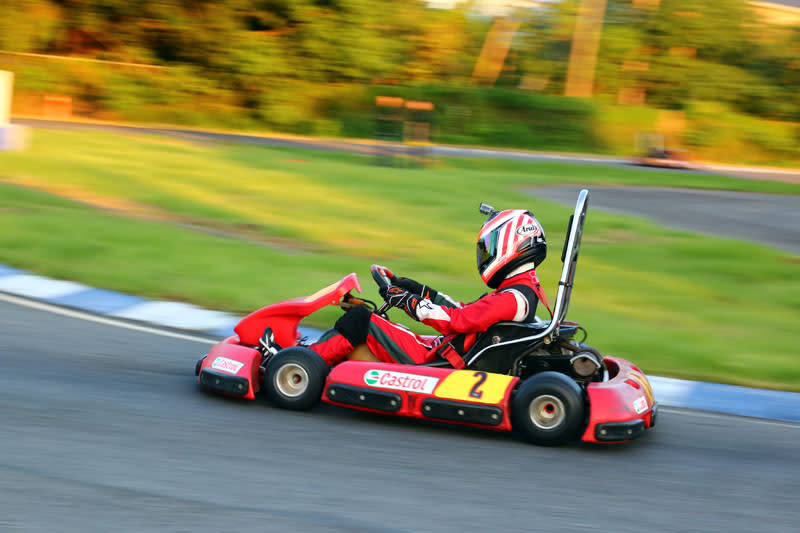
(617, 431)
(621, 408)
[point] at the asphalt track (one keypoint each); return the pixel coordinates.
(105, 429)
(767, 219)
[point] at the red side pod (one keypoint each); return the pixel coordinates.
(466, 397)
(231, 369)
(283, 317)
(625, 397)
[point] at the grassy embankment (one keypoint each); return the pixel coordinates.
(676, 303)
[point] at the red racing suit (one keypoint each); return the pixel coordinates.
(514, 300)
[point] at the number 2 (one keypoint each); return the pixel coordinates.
(474, 392)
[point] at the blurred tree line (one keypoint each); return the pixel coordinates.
(314, 66)
(678, 51)
(258, 50)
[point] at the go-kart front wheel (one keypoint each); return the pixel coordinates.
(548, 409)
(294, 378)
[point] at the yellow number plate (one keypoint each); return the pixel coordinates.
(472, 386)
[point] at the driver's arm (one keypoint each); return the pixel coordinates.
(474, 317)
(443, 300)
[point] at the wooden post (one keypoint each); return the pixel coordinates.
(417, 130)
(389, 120)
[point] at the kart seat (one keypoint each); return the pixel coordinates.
(498, 347)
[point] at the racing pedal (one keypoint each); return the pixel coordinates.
(267, 345)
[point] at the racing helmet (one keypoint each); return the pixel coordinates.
(508, 240)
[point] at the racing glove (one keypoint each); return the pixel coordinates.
(414, 286)
(402, 299)
(407, 283)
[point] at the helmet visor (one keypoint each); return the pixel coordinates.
(487, 246)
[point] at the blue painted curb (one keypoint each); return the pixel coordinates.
(731, 399)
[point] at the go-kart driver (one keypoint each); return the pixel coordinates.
(511, 244)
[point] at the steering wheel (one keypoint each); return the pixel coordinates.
(382, 280)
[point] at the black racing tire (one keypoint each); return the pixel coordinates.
(294, 378)
(548, 409)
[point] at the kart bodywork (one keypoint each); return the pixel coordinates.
(666, 158)
(534, 378)
(234, 365)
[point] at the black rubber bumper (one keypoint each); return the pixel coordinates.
(488, 415)
(362, 397)
(221, 382)
(653, 415)
(617, 431)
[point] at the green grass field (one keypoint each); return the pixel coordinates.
(236, 227)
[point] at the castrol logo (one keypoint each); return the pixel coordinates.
(386, 379)
(227, 365)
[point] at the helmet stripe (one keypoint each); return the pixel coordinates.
(499, 220)
(510, 249)
(507, 229)
(517, 224)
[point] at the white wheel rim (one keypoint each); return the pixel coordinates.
(291, 380)
(547, 412)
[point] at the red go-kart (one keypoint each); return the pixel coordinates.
(535, 378)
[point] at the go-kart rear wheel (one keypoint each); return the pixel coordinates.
(548, 409)
(294, 378)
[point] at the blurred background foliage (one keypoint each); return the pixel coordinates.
(315, 66)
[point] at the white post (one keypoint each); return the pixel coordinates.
(12, 137)
(6, 84)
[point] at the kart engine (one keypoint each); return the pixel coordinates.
(579, 361)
